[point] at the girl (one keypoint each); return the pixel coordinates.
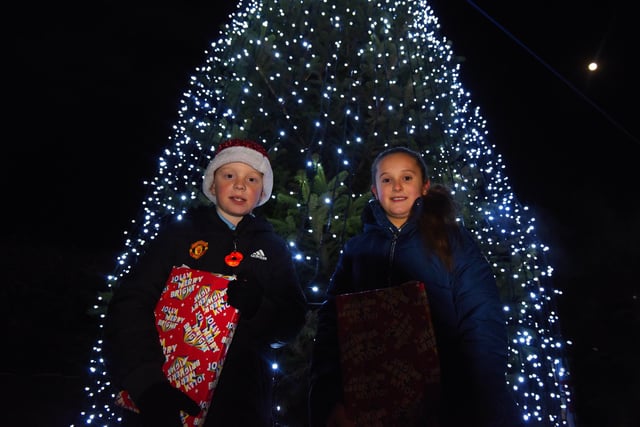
(410, 233)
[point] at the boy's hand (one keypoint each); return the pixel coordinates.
(161, 404)
(245, 296)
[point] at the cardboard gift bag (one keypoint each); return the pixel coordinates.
(388, 355)
(195, 325)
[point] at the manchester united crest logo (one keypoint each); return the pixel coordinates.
(198, 249)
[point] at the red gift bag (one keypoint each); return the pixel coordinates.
(388, 355)
(195, 325)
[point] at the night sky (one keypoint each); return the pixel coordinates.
(93, 93)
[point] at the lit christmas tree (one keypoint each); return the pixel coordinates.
(325, 86)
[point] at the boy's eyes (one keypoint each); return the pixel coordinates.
(230, 175)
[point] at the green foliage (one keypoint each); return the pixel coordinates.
(326, 86)
(318, 216)
(292, 379)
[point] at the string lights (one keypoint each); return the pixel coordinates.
(325, 85)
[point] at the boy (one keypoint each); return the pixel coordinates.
(225, 238)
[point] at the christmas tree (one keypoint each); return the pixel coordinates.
(325, 86)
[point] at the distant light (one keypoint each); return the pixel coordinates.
(593, 66)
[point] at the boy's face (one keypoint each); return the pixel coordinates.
(238, 188)
(399, 182)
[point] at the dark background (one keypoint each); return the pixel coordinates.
(93, 91)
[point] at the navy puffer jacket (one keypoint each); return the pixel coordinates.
(466, 311)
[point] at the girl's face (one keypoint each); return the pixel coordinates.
(238, 188)
(398, 183)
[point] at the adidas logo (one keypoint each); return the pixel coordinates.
(259, 254)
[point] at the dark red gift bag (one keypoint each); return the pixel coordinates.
(389, 358)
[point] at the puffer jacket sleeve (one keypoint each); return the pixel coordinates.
(325, 387)
(483, 334)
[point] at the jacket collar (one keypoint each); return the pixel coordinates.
(373, 214)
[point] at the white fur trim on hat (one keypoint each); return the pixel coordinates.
(244, 151)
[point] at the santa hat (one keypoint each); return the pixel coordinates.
(244, 151)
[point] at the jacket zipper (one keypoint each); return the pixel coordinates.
(392, 251)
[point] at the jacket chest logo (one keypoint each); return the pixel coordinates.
(198, 249)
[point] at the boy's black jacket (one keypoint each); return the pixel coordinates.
(201, 241)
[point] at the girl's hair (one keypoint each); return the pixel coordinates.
(394, 150)
(437, 224)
